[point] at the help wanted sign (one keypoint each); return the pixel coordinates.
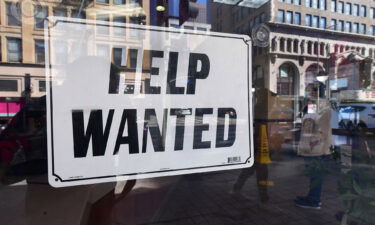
(129, 102)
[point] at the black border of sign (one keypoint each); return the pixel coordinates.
(126, 25)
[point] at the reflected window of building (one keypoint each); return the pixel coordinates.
(348, 8)
(348, 27)
(323, 23)
(60, 12)
(372, 13)
(295, 46)
(315, 21)
(340, 7)
(280, 16)
(363, 11)
(119, 2)
(308, 20)
(42, 86)
(372, 30)
(355, 27)
(333, 24)
(119, 30)
(289, 45)
(133, 20)
(40, 13)
(323, 4)
(39, 51)
(133, 58)
(139, 2)
(13, 12)
(355, 10)
(297, 2)
(362, 29)
(78, 14)
(118, 56)
(289, 17)
(285, 79)
(9, 85)
(315, 4)
(340, 26)
(14, 50)
(103, 1)
(297, 18)
(308, 3)
(101, 28)
(333, 5)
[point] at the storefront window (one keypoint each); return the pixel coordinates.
(223, 112)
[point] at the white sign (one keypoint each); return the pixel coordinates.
(128, 102)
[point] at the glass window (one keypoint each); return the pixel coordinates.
(133, 58)
(78, 14)
(362, 29)
(348, 27)
(355, 27)
(297, 18)
(340, 26)
(340, 7)
(102, 29)
(14, 50)
(308, 20)
(39, 51)
(363, 11)
(372, 13)
(289, 17)
(323, 22)
(323, 4)
(355, 10)
(372, 30)
(348, 8)
(280, 16)
(134, 20)
(8, 85)
(13, 14)
(333, 24)
(42, 86)
(312, 80)
(315, 21)
(60, 12)
(119, 2)
(285, 80)
(118, 56)
(119, 30)
(315, 4)
(308, 3)
(333, 5)
(40, 13)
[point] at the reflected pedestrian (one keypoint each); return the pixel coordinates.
(261, 170)
(315, 143)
